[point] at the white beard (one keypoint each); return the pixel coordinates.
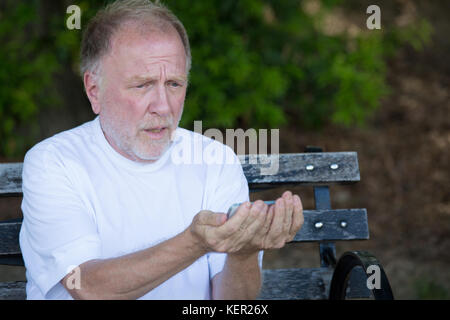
(137, 147)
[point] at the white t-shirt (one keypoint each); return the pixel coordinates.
(82, 200)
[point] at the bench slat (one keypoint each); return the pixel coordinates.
(356, 228)
(9, 232)
(292, 169)
(303, 168)
(13, 290)
(296, 284)
(10, 179)
(308, 284)
(286, 284)
(325, 225)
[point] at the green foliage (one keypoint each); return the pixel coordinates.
(26, 67)
(255, 64)
(264, 64)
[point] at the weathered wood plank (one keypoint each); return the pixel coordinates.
(302, 168)
(9, 234)
(332, 221)
(308, 284)
(333, 225)
(13, 290)
(289, 168)
(10, 179)
(286, 284)
(296, 284)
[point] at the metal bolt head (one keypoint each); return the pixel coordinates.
(318, 225)
(343, 224)
(334, 166)
(309, 167)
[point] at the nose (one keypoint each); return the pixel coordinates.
(160, 104)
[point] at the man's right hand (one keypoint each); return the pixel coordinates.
(254, 227)
(217, 234)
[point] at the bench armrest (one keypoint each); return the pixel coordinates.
(369, 264)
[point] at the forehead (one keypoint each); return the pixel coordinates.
(136, 51)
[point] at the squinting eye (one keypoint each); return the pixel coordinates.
(144, 85)
(174, 84)
(141, 86)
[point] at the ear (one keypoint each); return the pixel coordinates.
(92, 88)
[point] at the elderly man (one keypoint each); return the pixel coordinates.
(107, 212)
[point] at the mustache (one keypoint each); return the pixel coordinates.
(157, 123)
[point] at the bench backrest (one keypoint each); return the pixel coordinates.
(316, 169)
(323, 224)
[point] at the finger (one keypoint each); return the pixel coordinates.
(251, 237)
(289, 208)
(297, 218)
(258, 215)
(267, 229)
(266, 218)
(236, 221)
(263, 228)
(276, 228)
(269, 219)
(242, 211)
(249, 229)
(286, 194)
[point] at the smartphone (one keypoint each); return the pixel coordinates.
(232, 210)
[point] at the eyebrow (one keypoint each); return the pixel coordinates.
(138, 78)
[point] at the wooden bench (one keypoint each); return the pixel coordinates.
(334, 279)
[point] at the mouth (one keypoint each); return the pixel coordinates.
(156, 132)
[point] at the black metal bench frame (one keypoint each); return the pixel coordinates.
(335, 279)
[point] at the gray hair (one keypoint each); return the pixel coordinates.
(97, 36)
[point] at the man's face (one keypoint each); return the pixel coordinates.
(142, 92)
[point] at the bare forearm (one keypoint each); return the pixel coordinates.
(131, 276)
(239, 279)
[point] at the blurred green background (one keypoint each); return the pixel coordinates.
(311, 68)
(255, 64)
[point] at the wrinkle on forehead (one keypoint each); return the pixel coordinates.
(132, 31)
(145, 50)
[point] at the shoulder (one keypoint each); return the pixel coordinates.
(64, 145)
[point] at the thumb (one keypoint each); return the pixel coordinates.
(211, 218)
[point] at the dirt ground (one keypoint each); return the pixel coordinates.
(404, 162)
